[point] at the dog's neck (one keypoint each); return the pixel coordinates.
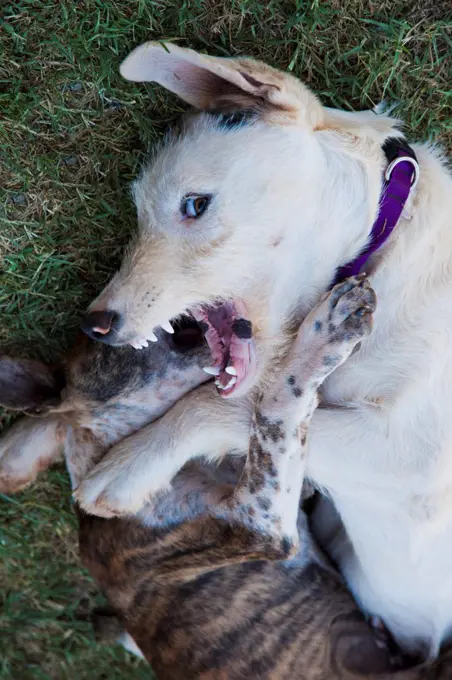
(356, 203)
(411, 275)
(346, 209)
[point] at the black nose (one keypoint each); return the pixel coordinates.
(102, 326)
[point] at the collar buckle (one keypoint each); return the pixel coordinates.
(404, 159)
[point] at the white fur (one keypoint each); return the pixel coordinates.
(387, 461)
(385, 455)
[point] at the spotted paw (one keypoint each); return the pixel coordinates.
(351, 306)
(334, 329)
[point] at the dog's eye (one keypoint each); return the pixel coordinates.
(194, 206)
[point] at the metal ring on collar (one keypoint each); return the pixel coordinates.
(403, 159)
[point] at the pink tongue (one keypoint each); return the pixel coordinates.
(227, 348)
(240, 356)
(216, 348)
(219, 335)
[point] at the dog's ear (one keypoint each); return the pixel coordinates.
(219, 84)
(27, 385)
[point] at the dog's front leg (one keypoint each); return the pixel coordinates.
(267, 497)
(29, 447)
(200, 424)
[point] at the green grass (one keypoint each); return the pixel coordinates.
(72, 135)
(46, 598)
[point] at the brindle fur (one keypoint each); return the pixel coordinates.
(218, 577)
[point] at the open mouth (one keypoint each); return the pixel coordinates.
(229, 335)
(187, 334)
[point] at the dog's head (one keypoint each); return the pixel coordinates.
(235, 211)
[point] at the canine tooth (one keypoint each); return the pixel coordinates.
(152, 337)
(211, 370)
(230, 383)
(231, 370)
(144, 343)
(167, 327)
(219, 385)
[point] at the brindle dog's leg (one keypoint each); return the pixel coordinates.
(268, 494)
(29, 447)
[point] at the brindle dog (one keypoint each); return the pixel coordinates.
(218, 577)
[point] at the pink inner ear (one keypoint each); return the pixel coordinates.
(195, 84)
(203, 88)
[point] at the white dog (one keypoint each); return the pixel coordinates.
(244, 220)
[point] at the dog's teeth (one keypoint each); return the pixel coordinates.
(219, 385)
(167, 327)
(139, 343)
(230, 383)
(211, 370)
(152, 337)
(231, 370)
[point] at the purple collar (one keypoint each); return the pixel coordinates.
(400, 176)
